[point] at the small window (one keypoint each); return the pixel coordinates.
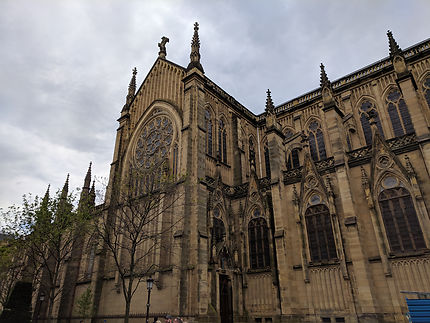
(267, 160)
(325, 319)
(340, 319)
(258, 320)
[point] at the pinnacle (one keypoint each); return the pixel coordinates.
(87, 180)
(394, 47)
(269, 103)
(195, 50)
(324, 81)
(65, 190)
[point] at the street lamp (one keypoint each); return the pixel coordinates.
(149, 283)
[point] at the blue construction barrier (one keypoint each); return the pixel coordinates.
(419, 310)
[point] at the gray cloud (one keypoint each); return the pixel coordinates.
(65, 66)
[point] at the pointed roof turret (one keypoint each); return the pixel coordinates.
(269, 103)
(324, 81)
(394, 47)
(195, 50)
(131, 91)
(65, 189)
(46, 197)
(93, 193)
(87, 180)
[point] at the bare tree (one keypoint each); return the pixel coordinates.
(133, 229)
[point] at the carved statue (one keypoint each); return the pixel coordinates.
(162, 45)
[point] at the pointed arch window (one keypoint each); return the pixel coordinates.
(218, 233)
(320, 234)
(293, 159)
(258, 235)
(267, 160)
(209, 133)
(400, 218)
(399, 114)
(365, 108)
(251, 151)
(316, 141)
(426, 90)
(222, 142)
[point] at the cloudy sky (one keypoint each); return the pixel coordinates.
(65, 66)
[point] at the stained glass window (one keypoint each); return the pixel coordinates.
(293, 159)
(267, 160)
(258, 235)
(209, 134)
(400, 220)
(222, 142)
(316, 141)
(320, 234)
(399, 114)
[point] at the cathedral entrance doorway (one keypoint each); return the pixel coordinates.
(226, 299)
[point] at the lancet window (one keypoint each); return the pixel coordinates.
(209, 133)
(258, 235)
(426, 90)
(320, 233)
(399, 216)
(222, 141)
(316, 141)
(368, 107)
(399, 114)
(293, 159)
(251, 151)
(267, 160)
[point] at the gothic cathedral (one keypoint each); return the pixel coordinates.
(316, 210)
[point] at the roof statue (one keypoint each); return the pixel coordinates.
(162, 45)
(324, 81)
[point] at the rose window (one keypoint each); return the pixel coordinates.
(154, 142)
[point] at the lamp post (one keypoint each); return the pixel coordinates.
(149, 283)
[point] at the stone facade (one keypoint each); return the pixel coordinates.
(317, 210)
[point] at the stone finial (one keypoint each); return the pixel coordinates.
(364, 178)
(131, 91)
(87, 180)
(295, 196)
(394, 47)
(195, 50)
(409, 167)
(324, 81)
(270, 108)
(162, 45)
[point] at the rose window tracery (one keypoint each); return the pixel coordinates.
(154, 142)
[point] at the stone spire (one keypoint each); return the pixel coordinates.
(195, 50)
(162, 45)
(93, 193)
(65, 189)
(270, 108)
(394, 47)
(324, 81)
(132, 87)
(87, 180)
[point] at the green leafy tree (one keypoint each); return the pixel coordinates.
(48, 229)
(85, 304)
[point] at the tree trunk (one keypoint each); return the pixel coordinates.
(127, 311)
